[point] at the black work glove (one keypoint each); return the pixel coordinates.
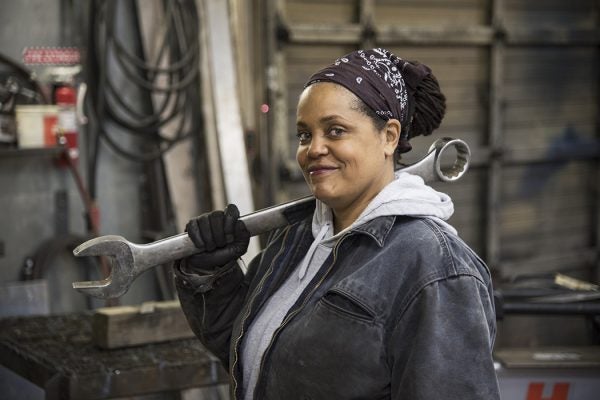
(223, 237)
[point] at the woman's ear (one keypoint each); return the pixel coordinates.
(392, 136)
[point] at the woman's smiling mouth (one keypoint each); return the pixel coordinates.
(317, 170)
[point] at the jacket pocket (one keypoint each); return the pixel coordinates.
(347, 305)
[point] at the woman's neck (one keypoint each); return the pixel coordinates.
(346, 208)
(345, 215)
(344, 218)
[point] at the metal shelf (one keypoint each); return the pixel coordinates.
(33, 152)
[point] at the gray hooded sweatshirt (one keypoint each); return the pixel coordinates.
(406, 195)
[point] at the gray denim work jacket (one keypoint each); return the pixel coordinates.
(401, 309)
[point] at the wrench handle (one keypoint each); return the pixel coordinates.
(180, 245)
(429, 168)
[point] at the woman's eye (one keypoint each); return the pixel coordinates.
(336, 132)
(303, 137)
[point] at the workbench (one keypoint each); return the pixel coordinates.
(56, 354)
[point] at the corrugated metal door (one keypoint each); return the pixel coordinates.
(521, 79)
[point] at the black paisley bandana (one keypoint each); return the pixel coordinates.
(381, 80)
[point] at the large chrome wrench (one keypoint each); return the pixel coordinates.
(129, 260)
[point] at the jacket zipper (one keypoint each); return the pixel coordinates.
(250, 304)
(297, 310)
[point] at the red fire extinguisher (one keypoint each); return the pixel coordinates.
(67, 132)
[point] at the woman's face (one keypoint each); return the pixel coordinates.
(345, 160)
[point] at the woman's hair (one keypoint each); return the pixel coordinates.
(429, 108)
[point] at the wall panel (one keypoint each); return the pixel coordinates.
(581, 14)
(431, 12)
(321, 11)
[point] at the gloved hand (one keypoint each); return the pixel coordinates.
(223, 236)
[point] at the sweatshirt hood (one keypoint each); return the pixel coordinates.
(406, 195)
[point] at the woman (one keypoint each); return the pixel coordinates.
(371, 295)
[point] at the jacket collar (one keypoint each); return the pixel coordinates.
(378, 228)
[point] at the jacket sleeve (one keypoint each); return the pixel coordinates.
(441, 347)
(211, 304)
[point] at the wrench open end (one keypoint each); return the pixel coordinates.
(122, 272)
(98, 246)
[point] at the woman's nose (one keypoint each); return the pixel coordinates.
(317, 146)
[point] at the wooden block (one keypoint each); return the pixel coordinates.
(152, 322)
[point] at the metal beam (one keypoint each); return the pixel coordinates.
(596, 274)
(495, 140)
(443, 35)
(433, 35)
(518, 155)
(232, 148)
(215, 175)
(367, 22)
(553, 36)
(481, 156)
(329, 34)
